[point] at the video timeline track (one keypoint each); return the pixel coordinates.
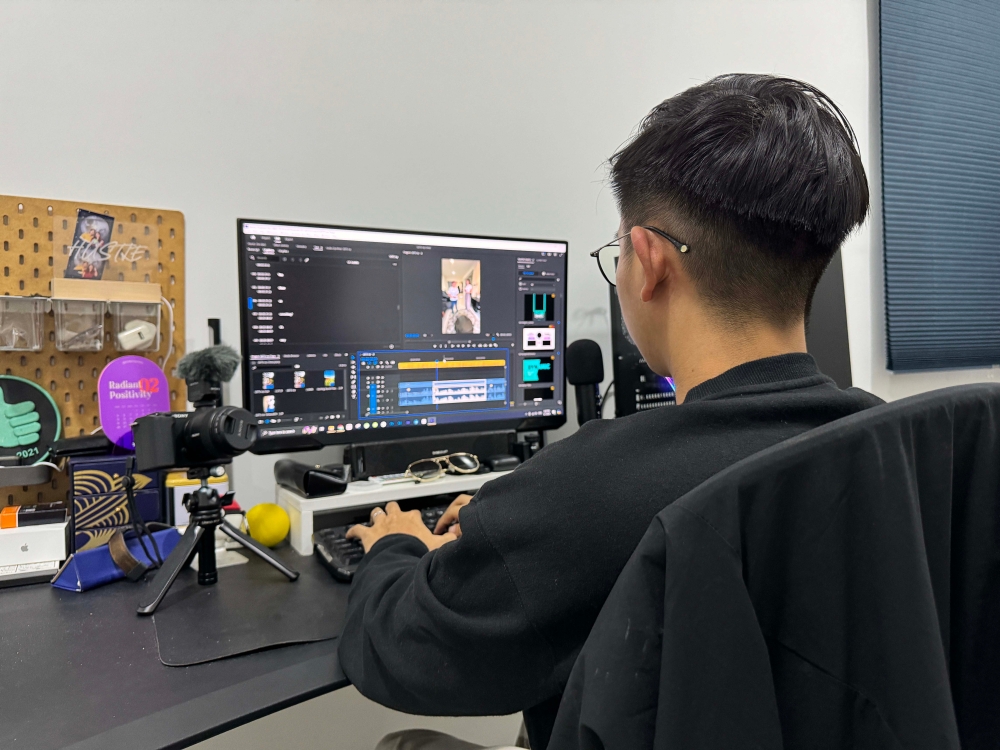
(410, 383)
(398, 388)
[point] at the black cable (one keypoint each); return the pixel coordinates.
(138, 524)
(604, 398)
(137, 527)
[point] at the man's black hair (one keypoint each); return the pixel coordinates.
(760, 176)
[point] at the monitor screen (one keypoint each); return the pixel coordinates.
(637, 387)
(361, 335)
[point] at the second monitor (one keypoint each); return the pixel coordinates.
(351, 332)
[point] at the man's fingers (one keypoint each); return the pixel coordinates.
(364, 534)
(392, 508)
(450, 516)
(357, 532)
(446, 520)
(375, 514)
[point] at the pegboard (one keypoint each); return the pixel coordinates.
(36, 235)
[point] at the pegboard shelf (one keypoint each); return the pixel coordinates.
(36, 235)
(106, 291)
(14, 476)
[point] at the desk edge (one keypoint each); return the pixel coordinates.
(198, 719)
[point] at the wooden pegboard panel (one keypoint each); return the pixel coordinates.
(36, 235)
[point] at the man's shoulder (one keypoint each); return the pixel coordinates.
(624, 445)
(599, 448)
(615, 435)
(863, 397)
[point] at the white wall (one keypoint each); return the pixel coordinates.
(482, 117)
(463, 116)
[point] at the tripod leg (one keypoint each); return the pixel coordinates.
(173, 565)
(259, 549)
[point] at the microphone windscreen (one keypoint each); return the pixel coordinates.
(215, 364)
(584, 362)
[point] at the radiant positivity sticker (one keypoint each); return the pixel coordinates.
(129, 388)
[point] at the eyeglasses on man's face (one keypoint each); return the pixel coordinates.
(607, 255)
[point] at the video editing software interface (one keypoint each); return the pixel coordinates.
(350, 329)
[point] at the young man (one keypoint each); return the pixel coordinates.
(734, 195)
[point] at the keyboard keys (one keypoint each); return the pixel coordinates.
(341, 556)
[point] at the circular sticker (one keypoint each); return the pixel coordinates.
(128, 388)
(29, 420)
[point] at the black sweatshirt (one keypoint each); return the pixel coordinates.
(492, 623)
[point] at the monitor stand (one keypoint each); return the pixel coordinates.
(376, 459)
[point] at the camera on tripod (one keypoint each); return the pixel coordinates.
(205, 437)
(210, 435)
(200, 441)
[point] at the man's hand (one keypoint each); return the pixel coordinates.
(19, 423)
(394, 521)
(449, 520)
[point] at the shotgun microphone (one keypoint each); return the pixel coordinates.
(585, 370)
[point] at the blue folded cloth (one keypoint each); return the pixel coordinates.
(94, 567)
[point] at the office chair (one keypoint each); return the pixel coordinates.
(839, 590)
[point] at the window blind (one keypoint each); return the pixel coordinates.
(940, 95)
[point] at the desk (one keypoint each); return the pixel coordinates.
(82, 671)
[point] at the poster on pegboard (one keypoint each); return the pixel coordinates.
(43, 240)
(102, 247)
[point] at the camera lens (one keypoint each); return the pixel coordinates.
(219, 434)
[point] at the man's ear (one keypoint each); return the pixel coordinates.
(651, 254)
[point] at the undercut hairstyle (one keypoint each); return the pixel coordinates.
(760, 176)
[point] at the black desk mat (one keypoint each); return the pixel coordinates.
(252, 607)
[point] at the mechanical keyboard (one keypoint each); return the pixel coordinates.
(342, 556)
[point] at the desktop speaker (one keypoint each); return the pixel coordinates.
(310, 480)
(376, 459)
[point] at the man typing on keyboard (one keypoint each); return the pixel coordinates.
(734, 196)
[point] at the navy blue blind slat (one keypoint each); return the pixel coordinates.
(940, 66)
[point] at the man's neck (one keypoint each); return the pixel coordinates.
(704, 354)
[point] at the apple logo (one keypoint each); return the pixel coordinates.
(24, 548)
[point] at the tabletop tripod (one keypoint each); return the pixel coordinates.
(205, 507)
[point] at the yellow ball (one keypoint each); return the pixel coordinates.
(268, 523)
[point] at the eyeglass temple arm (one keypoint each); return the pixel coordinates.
(672, 240)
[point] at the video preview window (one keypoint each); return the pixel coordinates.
(460, 290)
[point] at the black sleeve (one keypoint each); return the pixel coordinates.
(442, 632)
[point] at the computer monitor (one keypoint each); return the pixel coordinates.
(357, 335)
(826, 330)
(637, 387)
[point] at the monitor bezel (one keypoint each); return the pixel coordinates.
(291, 443)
